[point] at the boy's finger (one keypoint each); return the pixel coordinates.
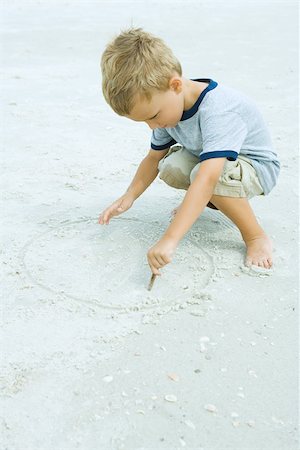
(154, 270)
(160, 261)
(166, 260)
(155, 265)
(101, 219)
(108, 214)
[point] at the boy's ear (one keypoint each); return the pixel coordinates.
(175, 84)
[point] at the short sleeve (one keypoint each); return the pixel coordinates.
(161, 139)
(222, 136)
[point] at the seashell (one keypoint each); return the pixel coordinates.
(203, 349)
(171, 398)
(108, 379)
(173, 376)
(211, 408)
(251, 423)
(190, 424)
(236, 423)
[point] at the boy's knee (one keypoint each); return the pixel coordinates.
(173, 176)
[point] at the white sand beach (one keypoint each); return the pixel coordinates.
(90, 359)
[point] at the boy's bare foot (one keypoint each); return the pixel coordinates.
(259, 252)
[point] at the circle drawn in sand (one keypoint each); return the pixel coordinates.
(107, 265)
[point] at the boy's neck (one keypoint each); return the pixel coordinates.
(191, 91)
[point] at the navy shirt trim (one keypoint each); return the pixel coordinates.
(231, 155)
(190, 112)
(164, 146)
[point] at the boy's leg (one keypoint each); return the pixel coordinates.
(237, 183)
(259, 245)
(175, 168)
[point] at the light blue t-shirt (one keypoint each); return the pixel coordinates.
(224, 122)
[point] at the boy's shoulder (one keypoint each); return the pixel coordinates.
(224, 98)
(224, 106)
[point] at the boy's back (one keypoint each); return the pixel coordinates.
(228, 122)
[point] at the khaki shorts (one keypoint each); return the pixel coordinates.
(238, 179)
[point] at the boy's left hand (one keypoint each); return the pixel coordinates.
(161, 254)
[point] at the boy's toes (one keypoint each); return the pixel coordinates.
(259, 253)
(265, 263)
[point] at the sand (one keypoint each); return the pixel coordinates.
(208, 359)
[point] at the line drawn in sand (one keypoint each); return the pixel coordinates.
(106, 266)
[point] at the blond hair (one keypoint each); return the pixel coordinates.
(135, 62)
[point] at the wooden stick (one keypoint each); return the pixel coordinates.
(151, 282)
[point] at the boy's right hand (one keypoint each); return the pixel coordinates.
(116, 208)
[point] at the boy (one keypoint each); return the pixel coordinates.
(226, 154)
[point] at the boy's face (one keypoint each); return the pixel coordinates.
(164, 110)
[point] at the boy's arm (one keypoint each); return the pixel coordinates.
(197, 196)
(146, 172)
